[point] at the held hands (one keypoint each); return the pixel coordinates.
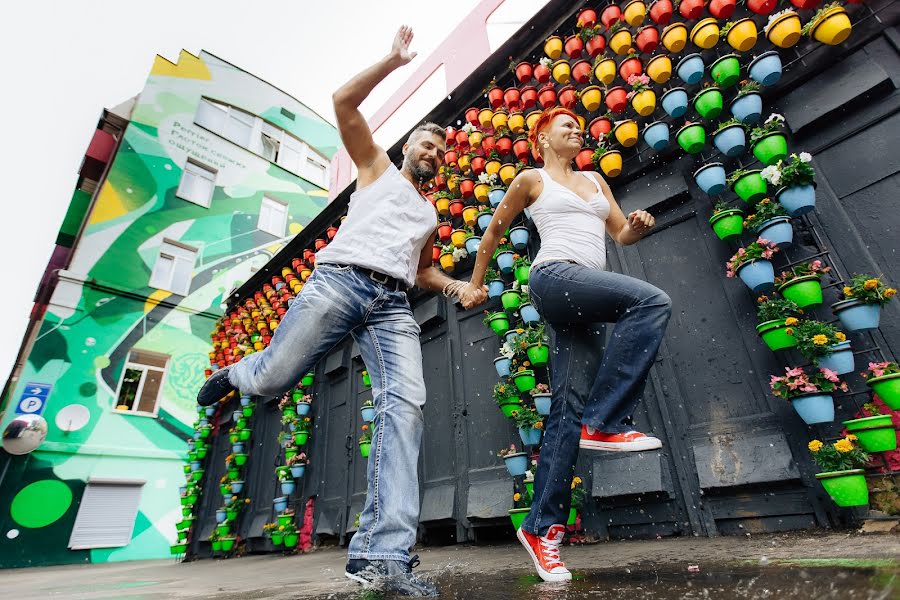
(641, 221)
(400, 49)
(471, 296)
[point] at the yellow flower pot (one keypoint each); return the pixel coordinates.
(611, 163)
(516, 123)
(447, 263)
(442, 205)
(553, 47)
(832, 27)
(591, 97)
(743, 35)
(481, 194)
(507, 174)
(258, 345)
(500, 119)
(475, 139)
(674, 37)
(453, 184)
(784, 31)
(458, 238)
(659, 69)
(464, 163)
(485, 116)
(626, 132)
(605, 71)
(635, 12)
(561, 71)
(621, 42)
(492, 166)
(644, 103)
(532, 118)
(305, 274)
(705, 33)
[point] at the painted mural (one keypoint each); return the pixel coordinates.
(104, 308)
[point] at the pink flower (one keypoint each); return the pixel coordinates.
(878, 368)
(742, 252)
(729, 274)
(763, 242)
(793, 385)
(767, 253)
(795, 372)
(816, 265)
(809, 388)
(829, 375)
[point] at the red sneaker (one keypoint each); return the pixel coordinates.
(544, 552)
(630, 441)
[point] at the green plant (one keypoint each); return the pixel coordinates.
(735, 175)
(503, 131)
(491, 274)
(527, 418)
(289, 529)
(287, 419)
(795, 172)
(772, 124)
(494, 155)
(728, 123)
(765, 210)
(807, 28)
(531, 335)
(616, 27)
(303, 425)
(725, 29)
(842, 455)
(520, 166)
(365, 437)
(760, 249)
(297, 460)
(579, 494)
(639, 83)
(541, 388)
(799, 381)
(600, 150)
(588, 33)
(503, 453)
(269, 529)
(870, 409)
(504, 246)
(721, 206)
(868, 290)
(748, 86)
(444, 195)
(814, 268)
(815, 338)
(504, 390)
(521, 261)
(881, 369)
(776, 309)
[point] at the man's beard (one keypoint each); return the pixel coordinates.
(420, 169)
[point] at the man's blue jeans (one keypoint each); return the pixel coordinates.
(335, 302)
(589, 386)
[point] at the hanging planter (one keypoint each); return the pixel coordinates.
(711, 179)
(616, 99)
(727, 223)
(805, 291)
(814, 408)
(533, 116)
(730, 139)
(541, 73)
(542, 403)
(524, 73)
(644, 103)
(591, 98)
(498, 322)
(553, 47)
(446, 261)
(529, 97)
(502, 365)
(726, 71)
(691, 9)
(774, 334)
(530, 436)
(538, 354)
(529, 314)
(777, 230)
(656, 135)
(661, 11)
(839, 358)
(587, 18)
(875, 434)
(659, 68)
(675, 102)
(499, 120)
(365, 447)
(674, 37)
(605, 70)
(797, 200)
(705, 33)
(458, 238)
(511, 299)
(573, 46)
(524, 380)
(741, 35)
(611, 14)
(722, 9)
(630, 66)
(562, 71)
(595, 45)
(495, 196)
(784, 30)
(758, 275)
(626, 132)
(521, 271)
(857, 316)
(887, 387)
(485, 118)
(766, 68)
(507, 174)
(770, 148)
(709, 102)
(690, 68)
(521, 148)
(692, 138)
(634, 12)
(547, 96)
(568, 97)
(584, 159)
(516, 463)
(599, 127)
(621, 41)
(472, 243)
(512, 99)
(647, 39)
(830, 25)
(610, 162)
(762, 7)
(747, 107)
(749, 185)
(846, 488)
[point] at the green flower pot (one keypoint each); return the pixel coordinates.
(887, 387)
(846, 488)
(509, 405)
(240, 459)
(726, 71)
(178, 548)
(201, 453)
(290, 540)
(217, 546)
(244, 434)
(525, 380)
(285, 519)
(242, 423)
(187, 511)
(751, 187)
(232, 514)
(521, 274)
(517, 516)
(805, 291)
(224, 529)
(197, 475)
(708, 103)
(875, 434)
(307, 380)
(289, 411)
(204, 433)
(728, 224)
(225, 489)
(538, 354)
(290, 453)
(182, 535)
(233, 473)
(367, 380)
(499, 322)
(770, 148)
(364, 449)
(511, 299)
(234, 437)
(301, 437)
(691, 138)
(227, 544)
(248, 411)
(277, 539)
(774, 335)
(192, 455)
(297, 395)
(573, 516)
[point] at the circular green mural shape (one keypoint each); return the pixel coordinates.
(87, 389)
(101, 362)
(40, 503)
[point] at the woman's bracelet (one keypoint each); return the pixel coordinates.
(452, 289)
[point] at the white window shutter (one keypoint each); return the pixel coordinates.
(106, 516)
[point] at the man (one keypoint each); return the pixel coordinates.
(359, 288)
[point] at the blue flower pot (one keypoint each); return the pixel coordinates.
(778, 230)
(656, 135)
(472, 244)
(797, 200)
(856, 316)
(280, 504)
(210, 411)
(203, 422)
(675, 102)
(303, 409)
(529, 314)
(542, 404)
(516, 464)
(690, 68)
(711, 178)
(298, 470)
(518, 237)
(766, 68)
(759, 275)
(747, 108)
(196, 435)
(290, 301)
(245, 400)
(292, 426)
(502, 365)
(731, 141)
(840, 359)
(495, 288)
(221, 515)
(484, 220)
(530, 436)
(288, 487)
(279, 285)
(237, 448)
(509, 336)
(815, 408)
(236, 487)
(495, 196)
(368, 413)
(195, 465)
(505, 262)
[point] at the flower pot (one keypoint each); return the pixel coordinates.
(690, 68)
(751, 187)
(231, 514)
(731, 141)
(634, 12)
(691, 9)
(770, 148)
(290, 540)
(280, 503)
(224, 529)
(728, 224)
(722, 9)
(886, 387)
(511, 299)
(674, 37)
(516, 463)
(529, 314)
(839, 358)
(797, 200)
(509, 405)
(495, 288)
(726, 71)
(774, 335)
(675, 102)
(507, 174)
(538, 354)
(277, 538)
(500, 119)
(237, 486)
(605, 71)
(747, 108)
(573, 516)
(777, 230)
(784, 30)
(197, 475)
(524, 380)
(661, 11)
(621, 42)
(561, 71)
(659, 68)
(832, 27)
(711, 179)
(591, 98)
(626, 132)
(364, 449)
(447, 262)
(611, 163)
(814, 408)
(568, 97)
(595, 46)
(510, 336)
(758, 275)
(517, 516)
(484, 219)
(182, 548)
(581, 72)
(307, 380)
(501, 365)
(656, 135)
(766, 68)
(472, 244)
(743, 35)
(691, 138)
(530, 436)
(485, 116)
(542, 403)
(512, 99)
(367, 413)
(297, 471)
(553, 47)
(587, 18)
(301, 437)
(705, 33)
(227, 544)
(244, 434)
(303, 408)
(708, 103)
(762, 7)
(288, 487)
(599, 127)
(630, 66)
(805, 291)
(644, 103)
(499, 323)
(529, 98)
(856, 316)
(240, 459)
(647, 39)
(875, 434)
(846, 488)
(505, 262)
(617, 99)
(494, 197)
(521, 274)
(470, 213)
(518, 237)
(458, 238)
(216, 545)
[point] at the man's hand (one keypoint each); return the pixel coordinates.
(641, 221)
(472, 295)
(400, 49)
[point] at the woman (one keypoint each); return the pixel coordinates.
(594, 392)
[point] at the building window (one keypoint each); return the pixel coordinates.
(317, 171)
(107, 514)
(272, 216)
(229, 122)
(197, 184)
(141, 384)
(174, 268)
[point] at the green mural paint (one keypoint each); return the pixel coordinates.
(40, 503)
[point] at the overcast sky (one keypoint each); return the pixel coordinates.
(65, 61)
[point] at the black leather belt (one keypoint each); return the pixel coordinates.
(391, 283)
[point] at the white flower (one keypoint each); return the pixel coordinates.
(775, 117)
(515, 285)
(546, 61)
(507, 351)
(484, 178)
(468, 128)
(524, 289)
(776, 178)
(769, 173)
(776, 15)
(805, 157)
(459, 254)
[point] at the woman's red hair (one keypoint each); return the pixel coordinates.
(542, 121)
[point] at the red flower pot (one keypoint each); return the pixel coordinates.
(320, 243)
(521, 149)
(581, 71)
(661, 11)
(587, 18)
(331, 232)
(691, 9)
(629, 67)
(495, 97)
(467, 189)
(450, 157)
(307, 254)
(647, 39)
(568, 97)
(462, 139)
(722, 9)
(451, 136)
(312, 260)
(599, 127)
(529, 97)
(805, 4)
(296, 264)
(444, 231)
(610, 15)
(524, 72)
(280, 311)
(584, 159)
(488, 144)
(504, 144)
(547, 96)
(762, 7)
(596, 45)
(440, 182)
(478, 165)
(617, 99)
(472, 116)
(435, 253)
(541, 73)
(511, 98)
(573, 46)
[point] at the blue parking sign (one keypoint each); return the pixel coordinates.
(33, 399)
